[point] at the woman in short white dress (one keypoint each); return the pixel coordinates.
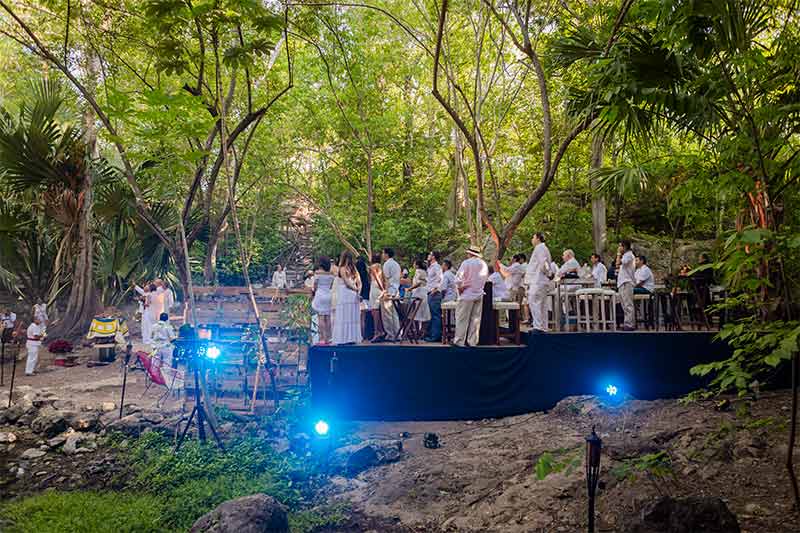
(347, 322)
(419, 289)
(322, 296)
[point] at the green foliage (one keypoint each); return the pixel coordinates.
(84, 512)
(558, 461)
(657, 465)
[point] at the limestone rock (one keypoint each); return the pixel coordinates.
(79, 443)
(258, 513)
(84, 421)
(688, 515)
(7, 438)
(49, 423)
(18, 410)
(358, 457)
(32, 453)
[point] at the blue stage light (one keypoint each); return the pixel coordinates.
(611, 390)
(322, 428)
(212, 352)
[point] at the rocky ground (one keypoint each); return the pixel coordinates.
(519, 474)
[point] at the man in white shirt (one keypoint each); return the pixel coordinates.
(162, 336)
(448, 286)
(599, 271)
(515, 276)
(570, 267)
(279, 277)
(470, 279)
(35, 334)
(645, 282)
(625, 282)
(538, 278)
(434, 297)
(500, 291)
(392, 272)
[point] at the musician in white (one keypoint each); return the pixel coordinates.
(599, 271)
(625, 282)
(470, 279)
(538, 278)
(35, 334)
(392, 272)
(279, 277)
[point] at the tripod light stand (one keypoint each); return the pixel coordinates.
(193, 350)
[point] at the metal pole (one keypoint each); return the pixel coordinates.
(125, 376)
(13, 373)
(591, 513)
(3, 360)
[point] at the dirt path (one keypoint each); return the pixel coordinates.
(525, 473)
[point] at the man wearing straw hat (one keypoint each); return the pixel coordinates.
(470, 279)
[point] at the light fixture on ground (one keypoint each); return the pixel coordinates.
(322, 428)
(213, 352)
(611, 390)
(594, 446)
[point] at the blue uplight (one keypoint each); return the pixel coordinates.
(212, 352)
(322, 428)
(611, 390)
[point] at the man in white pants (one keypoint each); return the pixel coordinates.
(35, 336)
(538, 278)
(391, 271)
(626, 272)
(470, 279)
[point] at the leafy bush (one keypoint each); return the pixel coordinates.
(71, 512)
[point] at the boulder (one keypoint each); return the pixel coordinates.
(32, 453)
(688, 515)
(87, 421)
(130, 425)
(18, 410)
(79, 443)
(258, 513)
(7, 438)
(55, 442)
(49, 423)
(359, 457)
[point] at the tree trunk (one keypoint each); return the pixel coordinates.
(599, 226)
(370, 203)
(210, 263)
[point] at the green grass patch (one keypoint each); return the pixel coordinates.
(84, 512)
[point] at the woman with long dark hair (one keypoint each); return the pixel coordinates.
(347, 321)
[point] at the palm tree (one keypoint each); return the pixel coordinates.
(45, 159)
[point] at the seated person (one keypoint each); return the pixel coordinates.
(570, 267)
(645, 282)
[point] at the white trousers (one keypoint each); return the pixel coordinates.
(33, 358)
(468, 322)
(626, 301)
(391, 322)
(537, 301)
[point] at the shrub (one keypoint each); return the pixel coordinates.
(60, 346)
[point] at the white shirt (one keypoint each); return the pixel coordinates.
(600, 275)
(279, 279)
(516, 275)
(448, 287)
(309, 283)
(539, 266)
(391, 271)
(35, 330)
(571, 266)
(472, 276)
(158, 302)
(644, 276)
(499, 287)
(8, 320)
(626, 270)
(162, 334)
(434, 275)
(40, 310)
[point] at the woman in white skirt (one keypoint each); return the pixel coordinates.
(419, 289)
(347, 322)
(322, 298)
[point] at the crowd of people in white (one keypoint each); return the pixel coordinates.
(344, 293)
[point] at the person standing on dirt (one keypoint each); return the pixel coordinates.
(36, 333)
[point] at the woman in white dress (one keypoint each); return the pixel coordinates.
(279, 278)
(146, 320)
(377, 287)
(347, 322)
(419, 289)
(321, 300)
